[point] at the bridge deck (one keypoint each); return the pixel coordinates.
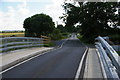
(93, 67)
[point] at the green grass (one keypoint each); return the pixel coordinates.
(84, 41)
(118, 53)
(115, 38)
(51, 44)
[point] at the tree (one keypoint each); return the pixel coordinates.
(56, 35)
(119, 14)
(37, 25)
(61, 28)
(70, 28)
(93, 17)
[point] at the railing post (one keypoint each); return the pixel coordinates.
(6, 43)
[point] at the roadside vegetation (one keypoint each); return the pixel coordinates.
(42, 25)
(118, 53)
(80, 37)
(87, 19)
(56, 35)
(50, 44)
(115, 38)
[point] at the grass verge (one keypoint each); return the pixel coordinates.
(118, 53)
(50, 44)
(85, 41)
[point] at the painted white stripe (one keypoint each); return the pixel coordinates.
(63, 43)
(80, 65)
(31, 58)
(21, 63)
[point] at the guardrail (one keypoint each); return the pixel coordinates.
(11, 43)
(109, 58)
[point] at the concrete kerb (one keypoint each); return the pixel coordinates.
(7, 66)
(23, 58)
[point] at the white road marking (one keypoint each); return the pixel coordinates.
(80, 65)
(31, 58)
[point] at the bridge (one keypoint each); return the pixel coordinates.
(70, 59)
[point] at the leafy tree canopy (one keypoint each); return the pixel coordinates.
(93, 17)
(39, 24)
(61, 28)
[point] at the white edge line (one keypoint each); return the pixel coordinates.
(103, 70)
(63, 43)
(21, 63)
(31, 58)
(80, 65)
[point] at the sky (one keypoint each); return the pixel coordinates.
(14, 12)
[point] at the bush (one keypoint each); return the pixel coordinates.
(115, 38)
(85, 40)
(56, 35)
(65, 34)
(51, 44)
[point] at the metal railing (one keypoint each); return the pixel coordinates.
(109, 58)
(11, 43)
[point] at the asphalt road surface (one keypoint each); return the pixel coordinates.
(60, 63)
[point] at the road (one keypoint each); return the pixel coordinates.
(60, 63)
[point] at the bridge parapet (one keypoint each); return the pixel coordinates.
(11, 43)
(109, 58)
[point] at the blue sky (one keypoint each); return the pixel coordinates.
(14, 12)
(30, 5)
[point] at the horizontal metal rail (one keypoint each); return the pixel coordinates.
(109, 57)
(18, 43)
(11, 43)
(20, 46)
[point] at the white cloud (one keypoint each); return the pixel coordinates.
(22, 9)
(14, 17)
(24, 0)
(55, 10)
(12, 0)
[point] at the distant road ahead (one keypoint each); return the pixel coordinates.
(60, 63)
